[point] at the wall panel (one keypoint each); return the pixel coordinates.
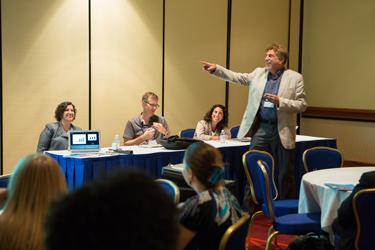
(338, 53)
(355, 140)
(45, 62)
(194, 31)
(126, 61)
(337, 68)
(255, 25)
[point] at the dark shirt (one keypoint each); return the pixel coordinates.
(196, 215)
(272, 87)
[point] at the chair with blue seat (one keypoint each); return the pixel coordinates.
(291, 224)
(170, 188)
(4, 180)
(363, 206)
(189, 133)
(235, 236)
(234, 131)
(282, 207)
(322, 158)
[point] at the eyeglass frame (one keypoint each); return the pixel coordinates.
(152, 105)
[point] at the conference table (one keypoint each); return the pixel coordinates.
(315, 196)
(82, 169)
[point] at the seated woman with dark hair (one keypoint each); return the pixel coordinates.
(205, 217)
(55, 135)
(215, 120)
(36, 181)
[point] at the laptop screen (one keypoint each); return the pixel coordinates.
(84, 140)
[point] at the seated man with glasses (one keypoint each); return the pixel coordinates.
(146, 128)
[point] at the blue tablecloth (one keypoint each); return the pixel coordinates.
(79, 171)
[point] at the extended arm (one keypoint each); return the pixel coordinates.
(184, 237)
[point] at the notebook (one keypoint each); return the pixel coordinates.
(84, 141)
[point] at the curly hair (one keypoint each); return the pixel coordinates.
(59, 112)
(223, 123)
(128, 210)
(203, 159)
(280, 51)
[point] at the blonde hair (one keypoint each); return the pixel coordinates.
(36, 181)
(149, 94)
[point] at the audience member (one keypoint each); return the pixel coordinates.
(146, 128)
(215, 120)
(205, 217)
(345, 225)
(127, 210)
(276, 94)
(36, 181)
(55, 135)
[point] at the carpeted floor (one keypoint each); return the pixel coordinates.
(259, 233)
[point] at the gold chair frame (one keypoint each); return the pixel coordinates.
(231, 229)
(179, 133)
(315, 148)
(174, 186)
(369, 190)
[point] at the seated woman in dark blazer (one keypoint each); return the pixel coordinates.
(205, 217)
(55, 135)
(215, 120)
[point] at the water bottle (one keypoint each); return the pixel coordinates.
(222, 136)
(117, 140)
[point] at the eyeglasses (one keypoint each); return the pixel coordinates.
(152, 105)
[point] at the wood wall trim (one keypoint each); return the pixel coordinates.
(340, 114)
(357, 164)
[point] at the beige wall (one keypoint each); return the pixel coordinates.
(251, 34)
(337, 67)
(45, 57)
(194, 31)
(126, 40)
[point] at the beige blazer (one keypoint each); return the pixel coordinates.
(204, 131)
(292, 100)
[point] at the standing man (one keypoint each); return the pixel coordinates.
(275, 96)
(146, 128)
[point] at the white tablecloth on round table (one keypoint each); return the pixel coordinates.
(316, 197)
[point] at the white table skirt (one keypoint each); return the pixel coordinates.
(316, 197)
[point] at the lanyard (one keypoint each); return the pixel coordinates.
(140, 123)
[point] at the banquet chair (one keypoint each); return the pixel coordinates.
(234, 131)
(4, 180)
(189, 133)
(363, 206)
(322, 158)
(282, 207)
(170, 188)
(291, 224)
(235, 236)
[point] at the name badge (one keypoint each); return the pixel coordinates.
(268, 105)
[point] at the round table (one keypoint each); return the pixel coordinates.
(316, 197)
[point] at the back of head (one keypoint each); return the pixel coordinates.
(125, 210)
(35, 182)
(203, 159)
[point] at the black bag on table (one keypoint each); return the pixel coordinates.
(175, 142)
(308, 242)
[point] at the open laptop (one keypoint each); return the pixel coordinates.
(84, 141)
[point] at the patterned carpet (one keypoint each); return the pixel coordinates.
(259, 235)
